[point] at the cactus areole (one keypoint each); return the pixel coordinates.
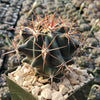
(48, 45)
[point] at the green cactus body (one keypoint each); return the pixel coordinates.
(49, 49)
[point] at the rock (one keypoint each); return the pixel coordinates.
(83, 61)
(1, 62)
(90, 76)
(19, 80)
(26, 83)
(81, 84)
(4, 93)
(73, 78)
(76, 87)
(97, 35)
(38, 84)
(46, 93)
(35, 91)
(54, 85)
(91, 6)
(63, 89)
(74, 81)
(65, 96)
(66, 82)
(84, 73)
(97, 61)
(40, 98)
(45, 86)
(57, 96)
(78, 71)
(96, 52)
(91, 42)
(82, 78)
(84, 27)
(41, 80)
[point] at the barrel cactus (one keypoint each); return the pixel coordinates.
(48, 44)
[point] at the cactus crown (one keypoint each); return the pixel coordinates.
(48, 44)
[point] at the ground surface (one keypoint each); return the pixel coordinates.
(12, 13)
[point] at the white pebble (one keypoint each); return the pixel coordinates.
(35, 91)
(91, 76)
(63, 89)
(40, 98)
(57, 96)
(26, 83)
(82, 78)
(66, 96)
(46, 93)
(74, 81)
(46, 86)
(66, 82)
(76, 87)
(19, 80)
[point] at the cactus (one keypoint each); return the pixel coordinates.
(48, 45)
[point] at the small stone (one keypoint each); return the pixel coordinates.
(76, 87)
(38, 84)
(63, 89)
(91, 76)
(66, 82)
(84, 27)
(41, 80)
(46, 93)
(74, 81)
(19, 80)
(57, 96)
(26, 83)
(10, 76)
(81, 78)
(97, 61)
(66, 96)
(91, 42)
(1, 61)
(18, 68)
(78, 71)
(35, 79)
(85, 73)
(40, 98)
(27, 89)
(36, 90)
(81, 84)
(46, 86)
(54, 85)
(29, 78)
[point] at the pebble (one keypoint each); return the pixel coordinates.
(57, 96)
(26, 83)
(66, 82)
(97, 35)
(81, 78)
(74, 81)
(41, 98)
(24, 76)
(63, 89)
(47, 93)
(46, 86)
(97, 61)
(65, 96)
(19, 80)
(76, 87)
(36, 90)
(1, 62)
